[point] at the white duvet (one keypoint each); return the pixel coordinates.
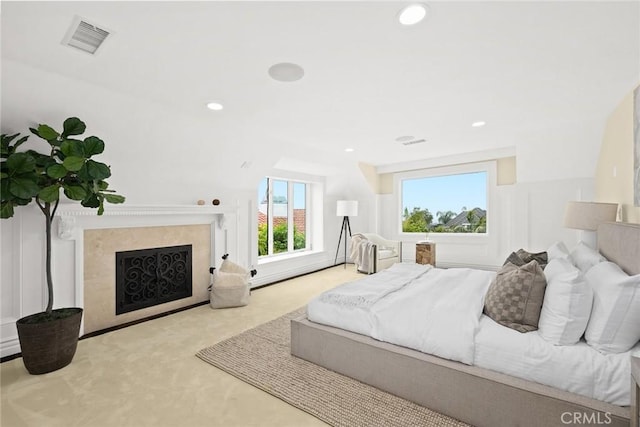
(439, 311)
(440, 308)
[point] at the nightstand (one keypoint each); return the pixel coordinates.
(635, 391)
(426, 253)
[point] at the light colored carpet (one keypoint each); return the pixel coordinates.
(261, 357)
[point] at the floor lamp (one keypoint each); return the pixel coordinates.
(345, 209)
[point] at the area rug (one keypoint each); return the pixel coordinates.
(261, 357)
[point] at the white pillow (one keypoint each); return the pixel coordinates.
(558, 250)
(585, 257)
(567, 303)
(614, 326)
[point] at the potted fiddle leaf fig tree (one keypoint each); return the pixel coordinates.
(48, 340)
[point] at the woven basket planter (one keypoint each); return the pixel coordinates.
(49, 345)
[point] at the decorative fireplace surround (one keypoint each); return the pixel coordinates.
(211, 230)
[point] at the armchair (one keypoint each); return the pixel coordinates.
(371, 252)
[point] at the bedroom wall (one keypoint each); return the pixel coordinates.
(160, 157)
(527, 214)
(614, 172)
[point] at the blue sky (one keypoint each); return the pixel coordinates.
(440, 193)
(280, 189)
(446, 193)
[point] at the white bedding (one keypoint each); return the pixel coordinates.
(577, 368)
(441, 314)
(348, 306)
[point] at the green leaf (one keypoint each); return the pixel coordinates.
(47, 132)
(91, 202)
(21, 202)
(6, 210)
(75, 192)
(73, 126)
(114, 198)
(6, 146)
(97, 170)
(92, 146)
(20, 141)
(57, 171)
(4, 190)
(20, 163)
(73, 163)
(4, 175)
(72, 147)
(50, 194)
(23, 188)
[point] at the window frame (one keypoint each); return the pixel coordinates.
(290, 217)
(489, 167)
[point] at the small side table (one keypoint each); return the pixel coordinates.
(426, 253)
(635, 391)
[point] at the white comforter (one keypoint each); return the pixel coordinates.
(348, 306)
(439, 312)
(440, 308)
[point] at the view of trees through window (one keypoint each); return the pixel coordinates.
(445, 204)
(282, 216)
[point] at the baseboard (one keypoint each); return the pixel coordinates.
(9, 349)
(262, 280)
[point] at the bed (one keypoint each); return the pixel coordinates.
(464, 383)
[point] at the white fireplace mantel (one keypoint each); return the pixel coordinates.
(135, 210)
(69, 213)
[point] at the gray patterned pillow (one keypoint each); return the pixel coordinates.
(540, 257)
(522, 257)
(514, 259)
(515, 296)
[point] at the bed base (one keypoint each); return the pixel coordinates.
(470, 394)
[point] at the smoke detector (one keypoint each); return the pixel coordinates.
(85, 36)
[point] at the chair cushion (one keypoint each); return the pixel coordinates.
(386, 253)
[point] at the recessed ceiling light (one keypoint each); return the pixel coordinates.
(215, 106)
(412, 14)
(478, 124)
(349, 150)
(286, 72)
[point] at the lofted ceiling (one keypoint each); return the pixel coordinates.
(522, 67)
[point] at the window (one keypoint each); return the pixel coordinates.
(282, 216)
(454, 203)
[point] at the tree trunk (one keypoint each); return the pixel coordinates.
(48, 220)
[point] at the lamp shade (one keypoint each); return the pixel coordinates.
(347, 208)
(587, 215)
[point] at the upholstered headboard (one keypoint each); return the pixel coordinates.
(619, 242)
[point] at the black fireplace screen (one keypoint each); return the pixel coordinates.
(149, 277)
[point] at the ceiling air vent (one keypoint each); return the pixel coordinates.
(414, 141)
(85, 36)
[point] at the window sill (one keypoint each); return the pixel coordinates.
(466, 238)
(285, 257)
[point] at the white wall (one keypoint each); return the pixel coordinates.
(193, 161)
(525, 215)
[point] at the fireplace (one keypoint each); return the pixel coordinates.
(100, 248)
(149, 277)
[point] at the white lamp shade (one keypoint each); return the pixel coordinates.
(587, 215)
(347, 208)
